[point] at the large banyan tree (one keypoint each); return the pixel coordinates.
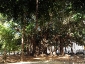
(51, 20)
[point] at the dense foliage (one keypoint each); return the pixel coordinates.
(59, 22)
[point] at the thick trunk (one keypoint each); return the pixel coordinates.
(61, 50)
(61, 46)
(44, 50)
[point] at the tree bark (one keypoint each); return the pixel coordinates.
(36, 14)
(22, 47)
(4, 55)
(61, 46)
(36, 26)
(34, 45)
(61, 49)
(23, 35)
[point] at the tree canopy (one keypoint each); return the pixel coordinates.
(58, 21)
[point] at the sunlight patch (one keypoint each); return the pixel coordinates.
(36, 58)
(23, 63)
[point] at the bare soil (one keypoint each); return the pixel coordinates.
(17, 58)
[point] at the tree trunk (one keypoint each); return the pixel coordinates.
(22, 47)
(23, 35)
(65, 50)
(34, 45)
(61, 49)
(36, 15)
(4, 55)
(9, 52)
(14, 52)
(71, 50)
(61, 46)
(36, 26)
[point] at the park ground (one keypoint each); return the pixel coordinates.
(68, 58)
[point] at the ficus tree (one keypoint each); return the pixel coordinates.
(56, 15)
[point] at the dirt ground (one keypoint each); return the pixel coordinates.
(17, 58)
